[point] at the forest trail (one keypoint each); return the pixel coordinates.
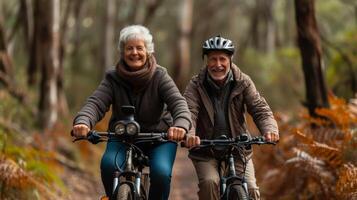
(183, 186)
(184, 179)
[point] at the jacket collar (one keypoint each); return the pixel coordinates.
(238, 88)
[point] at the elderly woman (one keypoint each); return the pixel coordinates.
(139, 81)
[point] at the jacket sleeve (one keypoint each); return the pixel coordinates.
(259, 109)
(175, 102)
(96, 105)
(192, 97)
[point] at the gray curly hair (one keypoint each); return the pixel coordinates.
(136, 32)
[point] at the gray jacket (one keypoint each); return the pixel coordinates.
(152, 103)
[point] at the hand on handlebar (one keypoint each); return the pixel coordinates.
(271, 137)
(80, 130)
(192, 141)
(176, 133)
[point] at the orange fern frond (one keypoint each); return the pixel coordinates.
(12, 175)
(302, 137)
(315, 120)
(339, 113)
(346, 185)
(311, 166)
(352, 105)
(331, 155)
(335, 101)
(339, 116)
(327, 135)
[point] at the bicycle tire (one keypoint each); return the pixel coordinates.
(238, 192)
(124, 192)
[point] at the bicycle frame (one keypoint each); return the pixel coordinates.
(130, 172)
(230, 177)
(128, 132)
(239, 144)
(134, 163)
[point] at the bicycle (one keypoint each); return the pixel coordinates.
(231, 185)
(129, 183)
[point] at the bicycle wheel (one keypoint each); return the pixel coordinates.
(238, 192)
(125, 193)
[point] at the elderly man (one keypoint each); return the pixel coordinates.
(218, 98)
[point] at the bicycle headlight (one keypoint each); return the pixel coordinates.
(132, 128)
(119, 128)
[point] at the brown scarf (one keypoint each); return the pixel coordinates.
(140, 78)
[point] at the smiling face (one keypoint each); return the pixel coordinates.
(218, 65)
(135, 54)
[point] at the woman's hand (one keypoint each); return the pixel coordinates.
(271, 137)
(80, 130)
(192, 140)
(176, 133)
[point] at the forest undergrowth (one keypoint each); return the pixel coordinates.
(316, 158)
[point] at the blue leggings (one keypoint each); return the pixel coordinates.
(161, 156)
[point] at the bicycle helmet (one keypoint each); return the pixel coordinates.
(217, 43)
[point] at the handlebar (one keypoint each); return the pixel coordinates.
(235, 141)
(258, 140)
(95, 137)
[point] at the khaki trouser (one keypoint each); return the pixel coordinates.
(208, 178)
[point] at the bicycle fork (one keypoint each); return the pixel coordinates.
(232, 172)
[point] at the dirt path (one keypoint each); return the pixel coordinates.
(184, 179)
(84, 186)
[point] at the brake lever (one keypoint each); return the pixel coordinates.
(94, 138)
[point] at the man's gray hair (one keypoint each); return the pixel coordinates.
(136, 32)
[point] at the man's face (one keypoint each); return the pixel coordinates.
(218, 65)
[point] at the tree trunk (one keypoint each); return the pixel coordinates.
(27, 20)
(270, 26)
(6, 72)
(288, 29)
(151, 8)
(182, 67)
(34, 56)
(311, 53)
(47, 24)
(62, 100)
(255, 28)
(78, 5)
(108, 35)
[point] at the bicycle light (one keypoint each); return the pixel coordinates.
(119, 128)
(132, 128)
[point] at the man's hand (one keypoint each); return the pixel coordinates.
(80, 130)
(176, 133)
(271, 137)
(192, 140)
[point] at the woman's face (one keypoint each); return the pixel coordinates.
(135, 54)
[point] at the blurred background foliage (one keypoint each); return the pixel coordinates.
(264, 32)
(271, 69)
